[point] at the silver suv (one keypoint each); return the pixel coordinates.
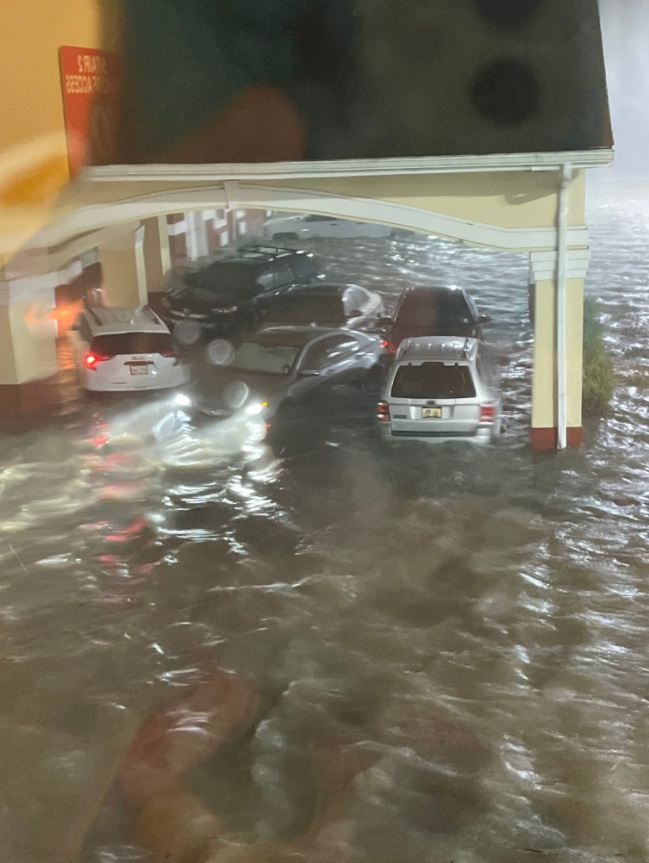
(441, 387)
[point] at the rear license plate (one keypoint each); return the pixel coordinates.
(431, 413)
(139, 369)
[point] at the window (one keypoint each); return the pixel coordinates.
(435, 311)
(339, 347)
(314, 217)
(132, 343)
(226, 277)
(306, 267)
(265, 358)
(282, 274)
(433, 381)
(301, 309)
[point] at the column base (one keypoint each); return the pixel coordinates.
(33, 397)
(543, 439)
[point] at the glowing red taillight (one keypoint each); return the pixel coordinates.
(383, 412)
(169, 353)
(92, 359)
(487, 413)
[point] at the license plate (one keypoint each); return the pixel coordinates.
(141, 369)
(431, 413)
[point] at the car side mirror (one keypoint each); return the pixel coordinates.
(355, 313)
(76, 324)
(309, 373)
(484, 319)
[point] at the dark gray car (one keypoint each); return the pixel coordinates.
(281, 366)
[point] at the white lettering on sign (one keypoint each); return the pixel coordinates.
(93, 76)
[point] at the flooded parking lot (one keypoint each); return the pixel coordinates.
(460, 631)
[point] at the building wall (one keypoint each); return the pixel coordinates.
(30, 37)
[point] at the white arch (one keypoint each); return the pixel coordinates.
(226, 195)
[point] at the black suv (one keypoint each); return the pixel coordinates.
(435, 311)
(229, 291)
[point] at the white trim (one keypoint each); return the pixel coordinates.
(563, 211)
(355, 167)
(175, 228)
(403, 216)
(250, 195)
(544, 265)
(30, 288)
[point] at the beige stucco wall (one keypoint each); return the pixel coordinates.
(513, 199)
(33, 156)
(30, 37)
(27, 343)
(544, 372)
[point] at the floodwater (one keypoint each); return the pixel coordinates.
(433, 654)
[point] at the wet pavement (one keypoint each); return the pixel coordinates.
(460, 632)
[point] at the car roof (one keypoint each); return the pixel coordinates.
(328, 289)
(295, 336)
(113, 320)
(415, 290)
(444, 348)
(253, 256)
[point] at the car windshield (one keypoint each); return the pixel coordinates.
(436, 310)
(265, 358)
(132, 343)
(433, 381)
(307, 310)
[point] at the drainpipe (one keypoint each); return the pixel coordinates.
(562, 238)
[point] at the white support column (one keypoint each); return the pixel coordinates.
(123, 268)
(157, 256)
(544, 430)
(197, 245)
(27, 343)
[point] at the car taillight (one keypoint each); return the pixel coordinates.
(92, 359)
(389, 346)
(383, 412)
(487, 413)
(169, 353)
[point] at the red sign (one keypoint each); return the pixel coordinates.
(90, 83)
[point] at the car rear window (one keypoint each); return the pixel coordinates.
(308, 310)
(132, 343)
(433, 381)
(436, 310)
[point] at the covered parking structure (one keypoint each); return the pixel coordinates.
(522, 203)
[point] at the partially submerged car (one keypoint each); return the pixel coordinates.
(295, 228)
(326, 305)
(224, 294)
(278, 367)
(441, 388)
(434, 311)
(118, 349)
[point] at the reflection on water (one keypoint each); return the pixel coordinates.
(345, 652)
